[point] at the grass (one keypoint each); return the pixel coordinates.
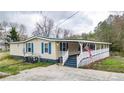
(13, 66)
(112, 64)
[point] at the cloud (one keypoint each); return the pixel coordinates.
(29, 19)
(83, 22)
(80, 23)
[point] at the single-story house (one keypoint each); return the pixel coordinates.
(69, 52)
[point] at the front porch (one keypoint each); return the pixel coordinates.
(74, 54)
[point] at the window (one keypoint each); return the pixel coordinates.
(60, 46)
(46, 47)
(63, 46)
(29, 47)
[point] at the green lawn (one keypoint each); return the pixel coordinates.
(17, 65)
(113, 64)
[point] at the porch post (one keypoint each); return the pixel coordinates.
(95, 46)
(95, 50)
(81, 47)
(62, 48)
(100, 48)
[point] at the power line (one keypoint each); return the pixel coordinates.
(41, 13)
(67, 18)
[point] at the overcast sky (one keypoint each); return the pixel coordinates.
(81, 22)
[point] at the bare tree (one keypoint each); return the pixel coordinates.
(66, 33)
(12, 24)
(22, 29)
(58, 32)
(4, 33)
(1, 28)
(37, 32)
(5, 24)
(84, 36)
(44, 27)
(22, 32)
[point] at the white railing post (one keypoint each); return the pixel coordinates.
(80, 56)
(65, 57)
(77, 61)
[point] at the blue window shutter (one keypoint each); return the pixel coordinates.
(49, 48)
(26, 47)
(42, 47)
(60, 46)
(32, 48)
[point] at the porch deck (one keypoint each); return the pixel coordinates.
(84, 58)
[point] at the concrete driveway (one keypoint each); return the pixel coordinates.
(55, 72)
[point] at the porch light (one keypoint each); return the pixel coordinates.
(57, 44)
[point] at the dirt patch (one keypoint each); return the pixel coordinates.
(2, 75)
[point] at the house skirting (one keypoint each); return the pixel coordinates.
(36, 59)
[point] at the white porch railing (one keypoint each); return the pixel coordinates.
(64, 57)
(79, 58)
(96, 55)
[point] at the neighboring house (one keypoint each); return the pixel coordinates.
(69, 52)
(4, 46)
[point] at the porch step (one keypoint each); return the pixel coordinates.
(71, 61)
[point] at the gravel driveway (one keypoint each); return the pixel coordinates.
(55, 72)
